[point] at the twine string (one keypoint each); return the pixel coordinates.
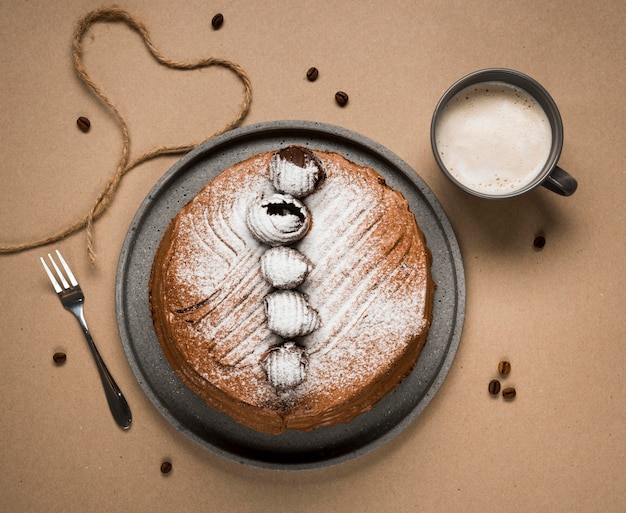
(124, 165)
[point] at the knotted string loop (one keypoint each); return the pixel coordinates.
(124, 165)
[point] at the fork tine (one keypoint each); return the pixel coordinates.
(59, 273)
(55, 283)
(70, 274)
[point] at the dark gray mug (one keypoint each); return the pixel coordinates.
(497, 133)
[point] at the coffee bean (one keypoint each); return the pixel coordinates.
(83, 124)
(312, 74)
(509, 393)
(166, 467)
(504, 368)
(539, 242)
(59, 358)
(341, 98)
(217, 21)
(494, 387)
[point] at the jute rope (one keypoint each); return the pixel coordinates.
(104, 199)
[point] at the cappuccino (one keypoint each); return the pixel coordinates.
(494, 138)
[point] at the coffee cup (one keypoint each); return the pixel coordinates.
(497, 133)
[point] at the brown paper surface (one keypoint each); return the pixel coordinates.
(557, 314)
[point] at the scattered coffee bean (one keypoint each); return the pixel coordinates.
(504, 368)
(494, 387)
(312, 73)
(341, 98)
(217, 21)
(539, 242)
(59, 358)
(83, 124)
(166, 467)
(509, 393)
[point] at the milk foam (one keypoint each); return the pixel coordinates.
(493, 137)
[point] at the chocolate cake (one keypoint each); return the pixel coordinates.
(293, 291)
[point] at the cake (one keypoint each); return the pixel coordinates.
(293, 291)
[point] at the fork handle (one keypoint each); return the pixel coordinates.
(117, 402)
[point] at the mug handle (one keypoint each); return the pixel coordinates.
(561, 182)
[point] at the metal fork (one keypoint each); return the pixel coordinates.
(72, 298)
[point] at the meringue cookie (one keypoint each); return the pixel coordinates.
(277, 220)
(289, 314)
(284, 268)
(297, 171)
(285, 366)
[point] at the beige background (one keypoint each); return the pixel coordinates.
(557, 315)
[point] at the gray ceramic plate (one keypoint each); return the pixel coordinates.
(218, 432)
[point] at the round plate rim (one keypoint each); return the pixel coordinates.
(301, 128)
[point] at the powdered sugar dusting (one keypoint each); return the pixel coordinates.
(357, 287)
(363, 281)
